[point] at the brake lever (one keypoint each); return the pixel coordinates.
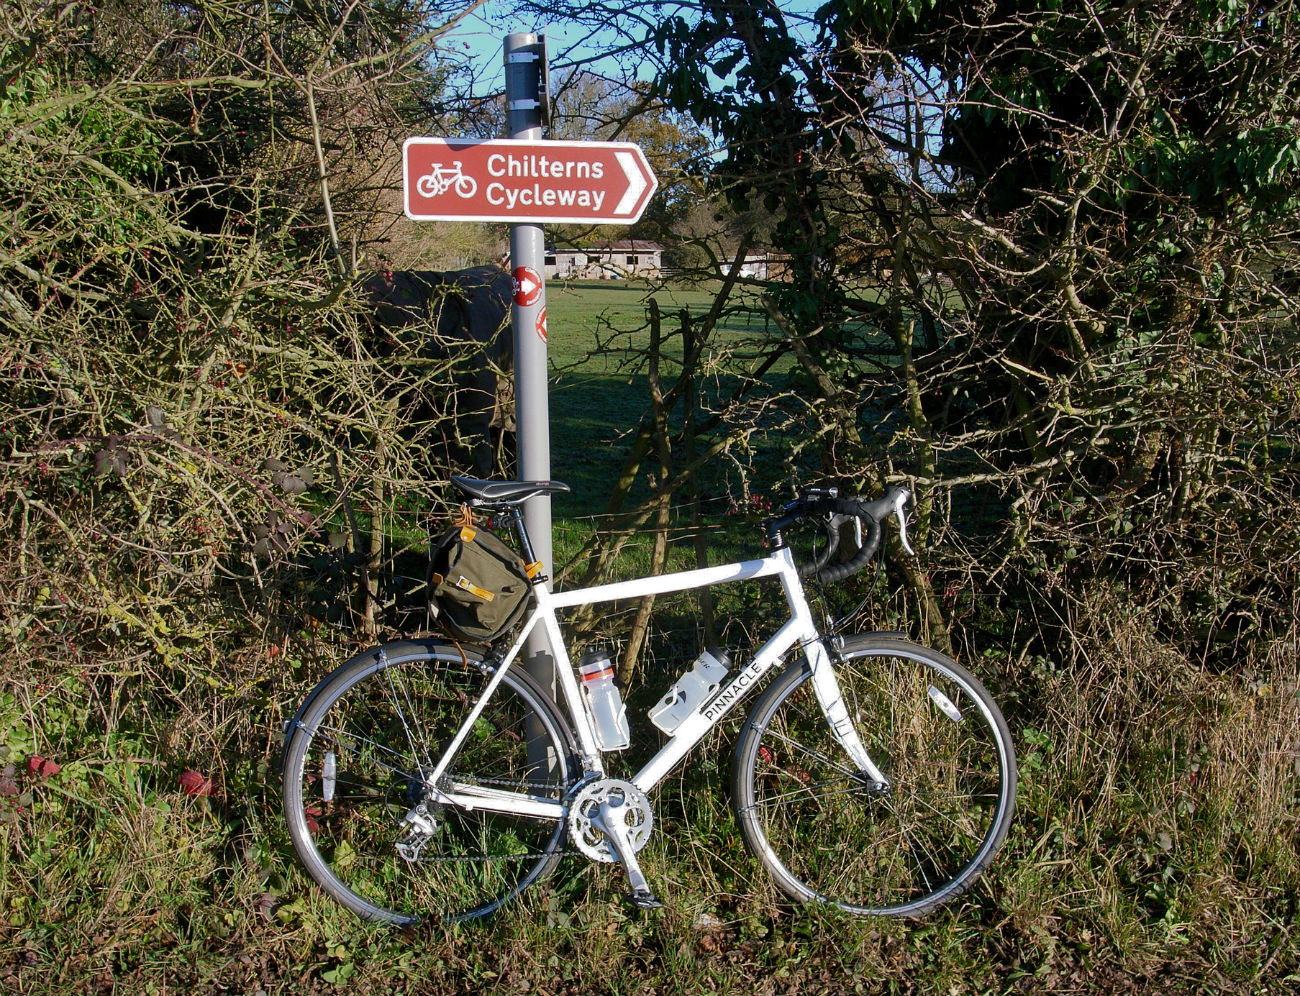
(899, 509)
(836, 520)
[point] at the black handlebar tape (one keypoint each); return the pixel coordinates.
(882, 506)
(832, 527)
(829, 575)
(836, 510)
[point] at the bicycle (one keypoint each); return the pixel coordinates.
(425, 777)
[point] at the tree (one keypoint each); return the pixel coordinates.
(182, 217)
(1034, 271)
(589, 107)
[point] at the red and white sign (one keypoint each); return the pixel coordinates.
(456, 179)
(528, 286)
(541, 325)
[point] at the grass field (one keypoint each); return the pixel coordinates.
(598, 338)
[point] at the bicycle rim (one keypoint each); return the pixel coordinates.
(827, 833)
(355, 768)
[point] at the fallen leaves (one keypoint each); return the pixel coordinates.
(42, 767)
(197, 784)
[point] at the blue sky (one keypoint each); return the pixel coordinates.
(478, 39)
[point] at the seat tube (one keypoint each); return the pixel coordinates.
(567, 691)
(825, 685)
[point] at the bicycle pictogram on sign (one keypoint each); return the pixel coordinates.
(441, 178)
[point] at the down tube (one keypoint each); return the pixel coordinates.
(692, 731)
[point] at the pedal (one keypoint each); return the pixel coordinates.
(644, 899)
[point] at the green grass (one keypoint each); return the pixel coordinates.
(598, 339)
(599, 382)
(113, 880)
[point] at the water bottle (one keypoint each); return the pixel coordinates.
(608, 715)
(692, 690)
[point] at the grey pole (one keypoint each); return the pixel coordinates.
(525, 69)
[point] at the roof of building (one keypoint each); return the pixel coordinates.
(627, 245)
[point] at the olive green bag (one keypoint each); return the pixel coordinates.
(478, 586)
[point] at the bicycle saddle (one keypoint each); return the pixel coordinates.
(507, 491)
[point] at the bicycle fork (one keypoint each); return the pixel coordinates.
(825, 685)
(831, 700)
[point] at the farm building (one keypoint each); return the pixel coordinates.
(606, 261)
(765, 266)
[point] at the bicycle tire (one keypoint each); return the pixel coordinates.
(826, 834)
(352, 772)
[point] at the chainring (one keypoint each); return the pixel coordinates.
(627, 802)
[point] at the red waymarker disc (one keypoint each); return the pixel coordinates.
(541, 325)
(528, 286)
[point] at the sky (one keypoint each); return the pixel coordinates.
(479, 37)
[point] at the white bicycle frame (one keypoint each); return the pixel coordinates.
(799, 630)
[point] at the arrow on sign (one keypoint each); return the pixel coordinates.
(636, 183)
(451, 179)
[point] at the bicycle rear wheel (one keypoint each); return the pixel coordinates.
(354, 773)
(826, 832)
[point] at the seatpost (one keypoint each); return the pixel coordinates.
(521, 530)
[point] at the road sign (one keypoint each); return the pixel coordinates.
(454, 179)
(528, 286)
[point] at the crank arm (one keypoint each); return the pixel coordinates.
(610, 821)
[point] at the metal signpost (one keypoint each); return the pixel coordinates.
(527, 104)
(527, 182)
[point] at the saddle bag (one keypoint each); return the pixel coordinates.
(478, 586)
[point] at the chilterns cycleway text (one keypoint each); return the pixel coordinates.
(533, 166)
(542, 167)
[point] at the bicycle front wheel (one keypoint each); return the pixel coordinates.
(358, 804)
(828, 833)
